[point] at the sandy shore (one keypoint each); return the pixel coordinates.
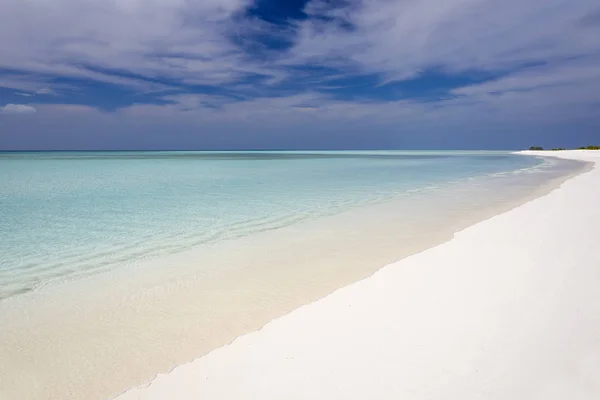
(95, 337)
(508, 309)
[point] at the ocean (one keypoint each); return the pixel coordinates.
(69, 214)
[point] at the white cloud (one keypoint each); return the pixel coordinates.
(94, 39)
(577, 73)
(134, 43)
(403, 38)
(33, 83)
(551, 103)
(190, 42)
(17, 109)
(45, 90)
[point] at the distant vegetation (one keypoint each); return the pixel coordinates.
(562, 148)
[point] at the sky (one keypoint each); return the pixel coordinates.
(298, 74)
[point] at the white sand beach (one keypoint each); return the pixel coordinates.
(507, 309)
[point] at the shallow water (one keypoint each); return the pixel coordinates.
(71, 214)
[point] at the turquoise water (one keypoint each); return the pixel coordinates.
(71, 214)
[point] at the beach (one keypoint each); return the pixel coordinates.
(507, 309)
(98, 335)
(310, 200)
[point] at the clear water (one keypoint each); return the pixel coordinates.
(70, 214)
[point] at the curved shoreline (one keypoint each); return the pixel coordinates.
(416, 333)
(72, 334)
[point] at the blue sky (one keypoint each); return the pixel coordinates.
(312, 74)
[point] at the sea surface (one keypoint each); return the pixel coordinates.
(65, 215)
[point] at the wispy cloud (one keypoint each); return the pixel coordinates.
(143, 45)
(123, 42)
(400, 39)
(17, 109)
(45, 90)
(213, 62)
(584, 72)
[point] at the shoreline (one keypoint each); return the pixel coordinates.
(522, 324)
(319, 279)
